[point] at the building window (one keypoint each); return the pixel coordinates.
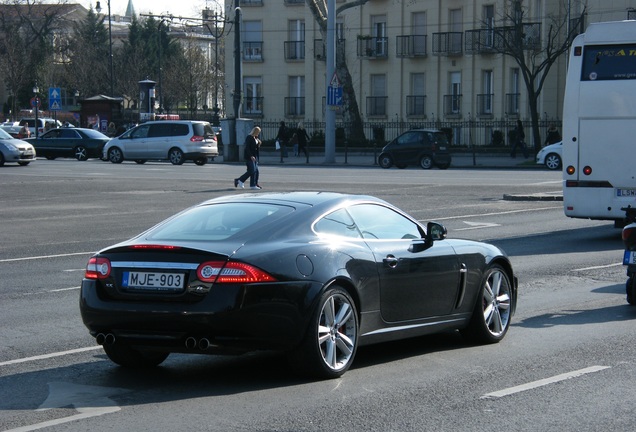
(416, 101)
(253, 96)
(252, 40)
(295, 103)
(512, 98)
(295, 44)
(485, 100)
(376, 103)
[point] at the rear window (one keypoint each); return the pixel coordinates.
(609, 62)
(203, 129)
(217, 221)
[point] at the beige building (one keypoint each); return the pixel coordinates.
(410, 60)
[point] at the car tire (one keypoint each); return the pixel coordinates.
(426, 162)
(331, 341)
(80, 152)
(201, 161)
(493, 309)
(553, 161)
(23, 163)
(175, 155)
(385, 160)
(140, 161)
(50, 158)
(1, 159)
(630, 288)
(133, 358)
(115, 155)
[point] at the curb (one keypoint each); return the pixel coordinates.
(533, 197)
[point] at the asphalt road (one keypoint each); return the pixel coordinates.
(567, 363)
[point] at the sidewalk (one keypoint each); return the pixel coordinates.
(460, 160)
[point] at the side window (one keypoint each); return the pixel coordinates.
(67, 133)
(179, 129)
(159, 130)
(140, 132)
(338, 223)
(379, 222)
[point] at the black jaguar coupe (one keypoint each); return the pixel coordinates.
(310, 274)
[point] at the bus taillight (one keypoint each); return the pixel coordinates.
(570, 170)
(587, 170)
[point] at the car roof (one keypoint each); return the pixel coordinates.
(301, 198)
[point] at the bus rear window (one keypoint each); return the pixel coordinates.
(609, 62)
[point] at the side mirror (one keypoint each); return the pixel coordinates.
(435, 231)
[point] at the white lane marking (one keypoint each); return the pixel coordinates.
(89, 401)
(477, 225)
(598, 267)
(65, 289)
(543, 382)
(45, 256)
(50, 355)
(497, 213)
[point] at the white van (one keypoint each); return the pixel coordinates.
(173, 140)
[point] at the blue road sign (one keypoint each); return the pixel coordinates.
(334, 95)
(55, 99)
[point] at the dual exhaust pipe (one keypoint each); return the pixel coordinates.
(202, 344)
(190, 343)
(105, 339)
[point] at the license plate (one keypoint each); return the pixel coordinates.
(626, 192)
(153, 281)
(629, 257)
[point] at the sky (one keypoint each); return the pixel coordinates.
(184, 8)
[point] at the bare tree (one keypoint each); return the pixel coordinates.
(350, 109)
(26, 44)
(521, 40)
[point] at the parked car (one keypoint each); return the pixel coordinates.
(78, 143)
(423, 147)
(44, 124)
(12, 128)
(550, 156)
(173, 140)
(15, 150)
(311, 274)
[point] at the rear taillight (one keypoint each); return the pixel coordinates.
(97, 268)
(629, 236)
(196, 138)
(232, 272)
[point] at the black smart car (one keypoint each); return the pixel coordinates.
(423, 147)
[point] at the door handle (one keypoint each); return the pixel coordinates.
(391, 261)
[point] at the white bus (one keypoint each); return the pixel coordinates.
(599, 123)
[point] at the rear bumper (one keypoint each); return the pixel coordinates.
(232, 318)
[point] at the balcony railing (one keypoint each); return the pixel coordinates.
(294, 2)
(376, 105)
(528, 35)
(251, 2)
(416, 106)
(253, 51)
(373, 47)
(294, 50)
(452, 105)
(448, 44)
(294, 106)
(512, 103)
(484, 104)
(253, 106)
(480, 41)
(411, 46)
(320, 52)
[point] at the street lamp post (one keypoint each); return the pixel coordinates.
(98, 8)
(36, 102)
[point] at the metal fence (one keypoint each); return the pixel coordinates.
(480, 135)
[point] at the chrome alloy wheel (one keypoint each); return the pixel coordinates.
(496, 302)
(337, 331)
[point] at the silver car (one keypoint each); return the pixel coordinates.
(172, 140)
(550, 156)
(15, 150)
